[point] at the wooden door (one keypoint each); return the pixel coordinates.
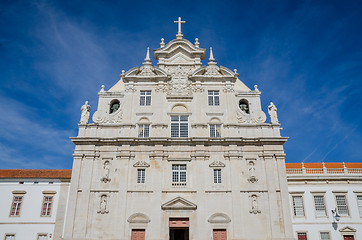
(138, 234)
(302, 236)
(219, 234)
(348, 237)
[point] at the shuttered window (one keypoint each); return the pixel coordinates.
(298, 206)
(359, 202)
(320, 208)
(342, 207)
(325, 236)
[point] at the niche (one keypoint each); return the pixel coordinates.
(244, 105)
(114, 106)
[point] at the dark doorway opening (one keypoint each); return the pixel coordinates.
(179, 234)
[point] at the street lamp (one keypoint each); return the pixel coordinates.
(336, 216)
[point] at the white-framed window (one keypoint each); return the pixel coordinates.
(145, 98)
(42, 236)
(298, 209)
(16, 205)
(302, 236)
(359, 203)
(217, 175)
(342, 207)
(320, 208)
(9, 236)
(47, 206)
(325, 236)
(179, 126)
(179, 174)
(213, 98)
(144, 130)
(141, 175)
(215, 130)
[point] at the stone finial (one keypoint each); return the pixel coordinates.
(197, 44)
(211, 59)
(256, 88)
(123, 72)
(162, 43)
(235, 71)
(147, 59)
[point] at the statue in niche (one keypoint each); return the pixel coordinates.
(272, 110)
(252, 178)
(84, 117)
(106, 167)
(254, 204)
(103, 205)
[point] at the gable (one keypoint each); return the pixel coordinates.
(179, 203)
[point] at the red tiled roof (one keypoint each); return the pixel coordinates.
(320, 165)
(36, 173)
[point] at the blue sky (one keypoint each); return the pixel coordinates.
(306, 56)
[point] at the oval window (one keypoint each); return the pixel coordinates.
(114, 106)
(244, 106)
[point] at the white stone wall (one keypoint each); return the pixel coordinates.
(30, 222)
(329, 185)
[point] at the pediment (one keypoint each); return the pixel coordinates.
(179, 203)
(177, 45)
(219, 218)
(180, 57)
(141, 164)
(347, 229)
(138, 218)
(213, 72)
(217, 164)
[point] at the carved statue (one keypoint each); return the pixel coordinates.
(84, 117)
(254, 204)
(252, 178)
(272, 110)
(103, 205)
(106, 177)
(114, 107)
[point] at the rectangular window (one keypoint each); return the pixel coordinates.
(320, 209)
(141, 175)
(298, 206)
(215, 130)
(138, 234)
(144, 130)
(179, 174)
(302, 236)
(16, 206)
(325, 236)
(342, 207)
(10, 237)
(219, 234)
(359, 203)
(145, 98)
(180, 126)
(217, 175)
(213, 98)
(47, 206)
(42, 236)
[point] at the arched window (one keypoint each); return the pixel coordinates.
(114, 106)
(244, 105)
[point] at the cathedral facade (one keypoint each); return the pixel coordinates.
(179, 151)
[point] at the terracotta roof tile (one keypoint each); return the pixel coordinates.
(36, 173)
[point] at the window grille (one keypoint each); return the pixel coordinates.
(16, 206)
(10, 237)
(215, 130)
(302, 236)
(179, 174)
(141, 175)
(213, 98)
(179, 126)
(298, 206)
(42, 236)
(325, 236)
(320, 208)
(145, 98)
(217, 175)
(359, 203)
(342, 205)
(47, 206)
(144, 130)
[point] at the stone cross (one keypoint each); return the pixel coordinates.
(179, 22)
